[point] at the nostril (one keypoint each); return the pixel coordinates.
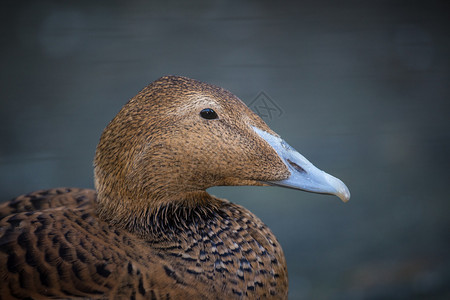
(295, 166)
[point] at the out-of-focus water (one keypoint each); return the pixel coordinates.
(360, 88)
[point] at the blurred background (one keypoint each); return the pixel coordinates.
(361, 88)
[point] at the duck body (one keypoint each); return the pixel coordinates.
(53, 245)
(150, 230)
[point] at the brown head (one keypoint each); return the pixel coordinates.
(177, 138)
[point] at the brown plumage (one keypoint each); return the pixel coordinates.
(152, 231)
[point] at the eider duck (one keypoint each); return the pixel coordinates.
(150, 230)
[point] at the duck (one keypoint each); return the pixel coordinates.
(150, 230)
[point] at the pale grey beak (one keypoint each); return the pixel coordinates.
(304, 175)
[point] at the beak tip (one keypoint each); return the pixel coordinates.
(344, 195)
(340, 189)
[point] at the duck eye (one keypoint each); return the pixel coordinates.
(209, 114)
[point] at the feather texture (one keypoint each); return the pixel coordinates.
(53, 245)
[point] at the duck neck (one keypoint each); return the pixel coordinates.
(158, 217)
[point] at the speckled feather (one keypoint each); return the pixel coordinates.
(52, 245)
(152, 231)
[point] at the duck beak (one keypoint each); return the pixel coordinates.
(304, 175)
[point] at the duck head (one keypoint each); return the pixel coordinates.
(178, 137)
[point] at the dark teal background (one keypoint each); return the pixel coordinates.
(362, 86)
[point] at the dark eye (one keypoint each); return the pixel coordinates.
(209, 114)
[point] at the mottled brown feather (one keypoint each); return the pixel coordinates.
(66, 251)
(153, 232)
